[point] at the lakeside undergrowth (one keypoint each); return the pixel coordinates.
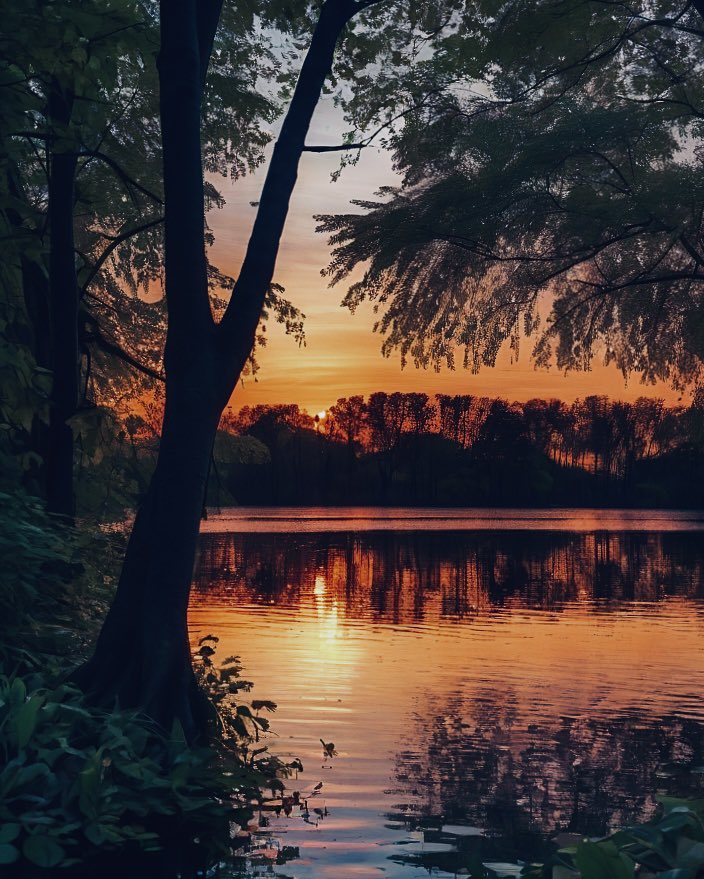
(671, 846)
(83, 788)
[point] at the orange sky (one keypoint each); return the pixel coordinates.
(342, 355)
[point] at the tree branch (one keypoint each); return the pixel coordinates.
(116, 241)
(334, 149)
(238, 326)
(129, 181)
(112, 348)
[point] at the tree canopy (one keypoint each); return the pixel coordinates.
(551, 186)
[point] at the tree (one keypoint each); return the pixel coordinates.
(83, 180)
(346, 421)
(461, 417)
(142, 656)
(572, 175)
(547, 422)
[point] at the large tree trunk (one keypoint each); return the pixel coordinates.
(142, 658)
(63, 298)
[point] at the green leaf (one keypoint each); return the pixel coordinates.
(26, 719)
(18, 691)
(8, 854)
(690, 853)
(29, 774)
(42, 851)
(9, 832)
(94, 833)
(89, 786)
(602, 860)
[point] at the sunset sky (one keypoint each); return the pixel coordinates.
(342, 355)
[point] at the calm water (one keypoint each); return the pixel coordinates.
(488, 678)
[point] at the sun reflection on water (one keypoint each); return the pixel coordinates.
(513, 682)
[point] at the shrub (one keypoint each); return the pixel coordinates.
(55, 585)
(77, 781)
(668, 847)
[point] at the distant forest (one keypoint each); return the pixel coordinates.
(463, 450)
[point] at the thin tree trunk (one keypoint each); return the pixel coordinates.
(63, 305)
(35, 292)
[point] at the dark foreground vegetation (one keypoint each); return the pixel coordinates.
(86, 788)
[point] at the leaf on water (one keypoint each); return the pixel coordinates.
(266, 704)
(213, 638)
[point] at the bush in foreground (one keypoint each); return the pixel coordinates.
(668, 847)
(77, 782)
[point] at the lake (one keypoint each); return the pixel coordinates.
(489, 678)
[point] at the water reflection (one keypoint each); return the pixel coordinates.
(523, 683)
(389, 576)
(481, 763)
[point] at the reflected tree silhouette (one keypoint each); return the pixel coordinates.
(479, 755)
(477, 761)
(393, 577)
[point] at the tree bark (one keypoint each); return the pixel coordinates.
(142, 657)
(35, 292)
(63, 308)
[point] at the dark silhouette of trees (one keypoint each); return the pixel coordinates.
(464, 450)
(142, 656)
(60, 115)
(83, 201)
(461, 417)
(549, 424)
(346, 422)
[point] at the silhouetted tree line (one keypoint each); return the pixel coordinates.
(409, 448)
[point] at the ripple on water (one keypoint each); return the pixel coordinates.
(520, 682)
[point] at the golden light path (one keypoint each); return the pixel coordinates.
(395, 649)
